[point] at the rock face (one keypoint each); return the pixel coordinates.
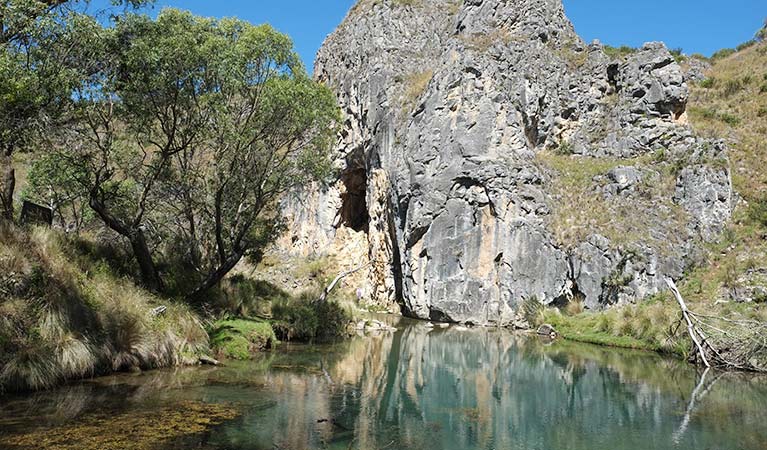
(500, 158)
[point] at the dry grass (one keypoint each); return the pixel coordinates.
(580, 209)
(731, 104)
(414, 86)
(64, 319)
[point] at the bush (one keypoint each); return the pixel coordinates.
(304, 319)
(757, 211)
(564, 149)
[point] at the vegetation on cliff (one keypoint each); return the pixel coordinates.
(730, 104)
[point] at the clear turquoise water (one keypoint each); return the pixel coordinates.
(434, 389)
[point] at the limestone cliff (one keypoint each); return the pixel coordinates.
(489, 156)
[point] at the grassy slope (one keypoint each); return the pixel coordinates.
(65, 314)
(732, 106)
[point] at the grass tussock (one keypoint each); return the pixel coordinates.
(305, 319)
(651, 325)
(64, 316)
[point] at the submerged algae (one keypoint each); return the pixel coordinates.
(140, 431)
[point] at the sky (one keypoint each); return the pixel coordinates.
(696, 26)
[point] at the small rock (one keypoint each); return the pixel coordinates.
(547, 330)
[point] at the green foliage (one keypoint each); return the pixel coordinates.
(241, 339)
(757, 211)
(678, 54)
(708, 83)
(564, 149)
(161, 134)
(57, 183)
(306, 319)
(618, 52)
(724, 53)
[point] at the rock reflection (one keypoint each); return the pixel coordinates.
(436, 388)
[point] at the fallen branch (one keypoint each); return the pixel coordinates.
(695, 335)
(697, 396)
(326, 292)
(725, 342)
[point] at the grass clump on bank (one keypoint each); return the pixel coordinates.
(63, 316)
(647, 326)
(240, 338)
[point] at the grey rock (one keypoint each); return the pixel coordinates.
(452, 106)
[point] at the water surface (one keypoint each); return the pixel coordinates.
(419, 388)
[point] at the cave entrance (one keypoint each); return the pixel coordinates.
(354, 208)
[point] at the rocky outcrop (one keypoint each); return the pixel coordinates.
(478, 130)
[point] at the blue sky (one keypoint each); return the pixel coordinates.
(697, 26)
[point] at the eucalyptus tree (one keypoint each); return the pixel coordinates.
(40, 41)
(190, 133)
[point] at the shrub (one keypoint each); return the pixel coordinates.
(678, 54)
(564, 149)
(304, 319)
(708, 83)
(757, 211)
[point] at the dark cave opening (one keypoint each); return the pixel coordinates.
(354, 208)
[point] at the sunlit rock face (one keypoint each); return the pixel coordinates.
(470, 121)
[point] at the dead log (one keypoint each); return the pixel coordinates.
(692, 330)
(326, 292)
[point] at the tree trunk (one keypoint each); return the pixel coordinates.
(149, 274)
(215, 277)
(7, 186)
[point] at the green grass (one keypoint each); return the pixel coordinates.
(647, 326)
(241, 338)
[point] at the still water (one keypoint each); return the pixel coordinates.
(418, 388)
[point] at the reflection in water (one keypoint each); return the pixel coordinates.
(436, 388)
